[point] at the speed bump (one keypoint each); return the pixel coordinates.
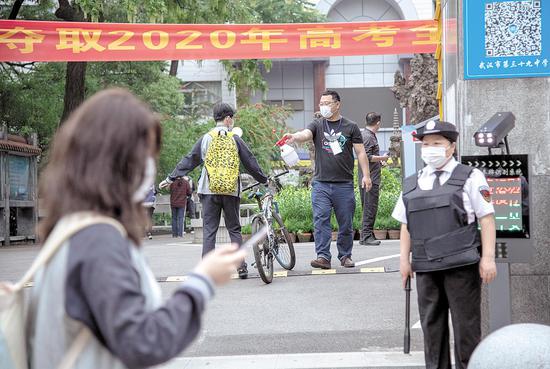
(373, 270)
(323, 271)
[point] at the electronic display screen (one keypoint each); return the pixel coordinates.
(507, 177)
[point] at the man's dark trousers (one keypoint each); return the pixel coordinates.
(369, 199)
(212, 206)
(457, 290)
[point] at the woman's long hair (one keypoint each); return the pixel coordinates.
(98, 161)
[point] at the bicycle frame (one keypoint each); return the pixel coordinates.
(266, 203)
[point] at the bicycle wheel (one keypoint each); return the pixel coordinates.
(262, 254)
(284, 247)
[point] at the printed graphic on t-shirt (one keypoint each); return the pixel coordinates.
(333, 136)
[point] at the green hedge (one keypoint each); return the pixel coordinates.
(296, 208)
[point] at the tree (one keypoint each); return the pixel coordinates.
(246, 75)
(419, 93)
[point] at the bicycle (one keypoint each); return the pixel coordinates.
(278, 243)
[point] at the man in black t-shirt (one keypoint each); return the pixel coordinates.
(369, 199)
(335, 139)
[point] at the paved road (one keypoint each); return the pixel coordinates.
(351, 319)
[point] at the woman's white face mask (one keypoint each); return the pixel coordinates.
(148, 181)
(434, 156)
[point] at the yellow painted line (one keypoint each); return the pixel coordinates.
(28, 284)
(373, 270)
(235, 276)
(176, 278)
(323, 271)
(283, 273)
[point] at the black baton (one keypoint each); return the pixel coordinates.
(407, 336)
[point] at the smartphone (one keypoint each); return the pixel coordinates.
(256, 238)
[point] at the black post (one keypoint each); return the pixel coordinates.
(407, 336)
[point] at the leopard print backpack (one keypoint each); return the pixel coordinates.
(222, 163)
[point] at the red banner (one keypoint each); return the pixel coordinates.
(72, 41)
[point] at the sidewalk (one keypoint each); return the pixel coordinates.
(363, 360)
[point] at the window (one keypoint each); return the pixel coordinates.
(198, 97)
(294, 105)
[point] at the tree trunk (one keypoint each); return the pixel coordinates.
(75, 80)
(15, 9)
(174, 67)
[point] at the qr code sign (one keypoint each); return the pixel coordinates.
(513, 28)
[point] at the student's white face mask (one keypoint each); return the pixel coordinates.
(148, 181)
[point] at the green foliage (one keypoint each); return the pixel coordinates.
(31, 98)
(246, 229)
(390, 189)
(260, 123)
(281, 11)
(178, 137)
(296, 209)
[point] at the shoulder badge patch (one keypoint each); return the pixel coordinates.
(485, 192)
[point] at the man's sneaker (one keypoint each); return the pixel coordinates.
(149, 235)
(243, 272)
(320, 263)
(346, 262)
(370, 241)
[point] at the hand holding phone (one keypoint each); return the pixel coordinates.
(221, 263)
(256, 238)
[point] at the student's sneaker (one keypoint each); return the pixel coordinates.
(243, 272)
(149, 235)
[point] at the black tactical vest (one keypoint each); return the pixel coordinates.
(441, 237)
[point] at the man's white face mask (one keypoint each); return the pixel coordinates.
(434, 156)
(148, 181)
(325, 111)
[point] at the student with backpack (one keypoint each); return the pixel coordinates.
(221, 151)
(95, 302)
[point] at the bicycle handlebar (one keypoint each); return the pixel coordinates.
(268, 179)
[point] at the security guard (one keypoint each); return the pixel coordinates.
(439, 210)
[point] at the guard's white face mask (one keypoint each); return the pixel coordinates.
(148, 181)
(434, 156)
(326, 111)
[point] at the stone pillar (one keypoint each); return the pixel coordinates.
(529, 100)
(319, 68)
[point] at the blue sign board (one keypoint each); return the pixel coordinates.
(506, 39)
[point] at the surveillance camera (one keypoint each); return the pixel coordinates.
(493, 132)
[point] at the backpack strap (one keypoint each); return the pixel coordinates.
(218, 132)
(64, 229)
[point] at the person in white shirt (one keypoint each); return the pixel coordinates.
(440, 208)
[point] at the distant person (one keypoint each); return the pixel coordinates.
(440, 209)
(192, 199)
(369, 199)
(103, 162)
(219, 187)
(179, 193)
(336, 138)
(149, 204)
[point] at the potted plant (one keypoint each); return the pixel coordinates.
(296, 210)
(246, 232)
(303, 236)
(334, 227)
(394, 231)
(357, 216)
(380, 230)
